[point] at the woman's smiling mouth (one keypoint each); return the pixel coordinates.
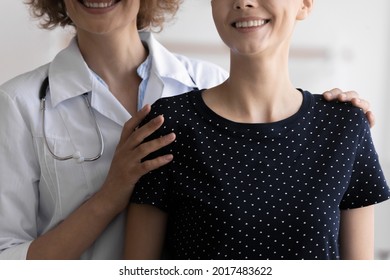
(98, 4)
(250, 23)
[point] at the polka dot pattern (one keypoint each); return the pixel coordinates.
(261, 191)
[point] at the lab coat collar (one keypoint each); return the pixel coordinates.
(69, 75)
(165, 65)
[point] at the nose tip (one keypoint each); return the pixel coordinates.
(242, 5)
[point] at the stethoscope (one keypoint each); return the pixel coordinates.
(76, 155)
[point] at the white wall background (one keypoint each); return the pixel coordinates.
(23, 45)
(343, 44)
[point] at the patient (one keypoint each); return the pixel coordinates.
(261, 169)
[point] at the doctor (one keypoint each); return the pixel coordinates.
(67, 171)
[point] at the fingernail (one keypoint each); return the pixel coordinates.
(157, 119)
(168, 157)
(343, 96)
(171, 136)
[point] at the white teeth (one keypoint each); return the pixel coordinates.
(250, 23)
(99, 5)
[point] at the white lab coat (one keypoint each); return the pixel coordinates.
(37, 192)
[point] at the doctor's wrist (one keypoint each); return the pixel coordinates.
(109, 202)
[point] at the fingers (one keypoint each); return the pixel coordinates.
(347, 96)
(136, 149)
(134, 122)
(353, 97)
(128, 166)
(140, 134)
(332, 94)
(137, 167)
(153, 164)
(361, 103)
(371, 118)
(366, 107)
(153, 145)
(338, 94)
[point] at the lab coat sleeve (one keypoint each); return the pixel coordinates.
(19, 179)
(18, 252)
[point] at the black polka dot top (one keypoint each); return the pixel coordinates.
(261, 191)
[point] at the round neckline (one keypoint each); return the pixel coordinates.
(272, 129)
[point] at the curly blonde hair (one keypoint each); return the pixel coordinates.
(152, 13)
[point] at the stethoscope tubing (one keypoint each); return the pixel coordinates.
(77, 155)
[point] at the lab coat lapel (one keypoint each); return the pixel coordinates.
(154, 89)
(69, 75)
(103, 101)
(168, 75)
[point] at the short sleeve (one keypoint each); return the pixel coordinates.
(368, 185)
(152, 189)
